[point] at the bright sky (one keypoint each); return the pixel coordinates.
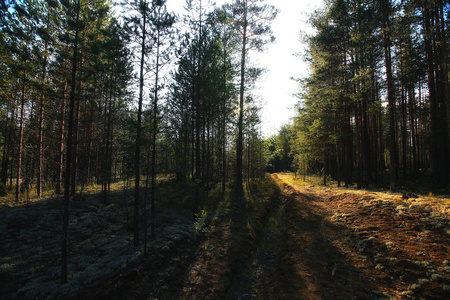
(275, 89)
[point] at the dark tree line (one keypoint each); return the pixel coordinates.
(378, 95)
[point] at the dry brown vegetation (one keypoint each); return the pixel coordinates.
(398, 241)
(291, 241)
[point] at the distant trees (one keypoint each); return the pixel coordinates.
(280, 148)
(368, 104)
(38, 48)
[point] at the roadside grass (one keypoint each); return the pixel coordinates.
(310, 180)
(28, 193)
(413, 190)
(438, 201)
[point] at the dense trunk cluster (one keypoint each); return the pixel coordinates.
(62, 56)
(377, 98)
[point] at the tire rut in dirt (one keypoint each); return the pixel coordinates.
(234, 260)
(308, 265)
(255, 256)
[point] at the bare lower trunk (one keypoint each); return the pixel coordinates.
(65, 231)
(59, 170)
(391, 99)
(239, 148)
(41, 125)
(22, 116)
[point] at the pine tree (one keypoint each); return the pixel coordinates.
(251, 21)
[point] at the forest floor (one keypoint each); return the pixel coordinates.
(291, 241)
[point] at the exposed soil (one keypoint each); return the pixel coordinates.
(399, 243)
(289, 242)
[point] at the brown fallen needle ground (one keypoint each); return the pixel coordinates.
(293, 241)
(306, 243)
(400, 244)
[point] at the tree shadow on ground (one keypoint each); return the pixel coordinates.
(309, 265)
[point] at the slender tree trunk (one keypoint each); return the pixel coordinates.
(22, 116)
(437, 161)
(59, 169)
(325, 166)
(239, 146)
(155, 132)
(197, 174)
(404, 133)
(74, 169)
(442, 97)
(7, 150)
(208, 155)
(41, 124)
(89, 139)
(367, 170)
(412, 125)
(358, 140)
(375, 152)
(106, 159)
(224, 145)
(198, 114)
(145, 201)
(390, 94)
(65, 229)
(137, 154)
(224, 124)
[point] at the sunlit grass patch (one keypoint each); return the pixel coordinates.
(300, 180)
(291, 179)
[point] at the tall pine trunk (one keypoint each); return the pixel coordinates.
(7, 149)
(155, 132)
(239, 147)
(442, 174)
(197, 143)
(76, 122)
(69, 144)
(22, 116)
(435, 58)
(41, 124)
(59, 168)
(390, 94)
(137, 153)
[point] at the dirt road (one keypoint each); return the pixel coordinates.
(379, 245)
(291, 242)
(303, 243)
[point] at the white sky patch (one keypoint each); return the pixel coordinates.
(276, 89)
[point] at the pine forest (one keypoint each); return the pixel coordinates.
(134, 164)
